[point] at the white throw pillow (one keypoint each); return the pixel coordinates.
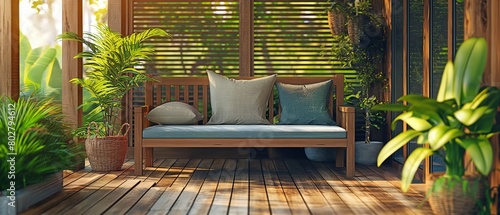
(174, 113)
(239, 101)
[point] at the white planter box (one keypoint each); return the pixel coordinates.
(31, 194)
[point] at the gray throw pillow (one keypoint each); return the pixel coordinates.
(174, 113)
(239, 101)
(305, 104)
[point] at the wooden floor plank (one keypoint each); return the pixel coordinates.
(362, 192)
(313, 198)
(110, 199)
(405, 203)
(222, 197)
(354, 202)
(81, 195)
(292, 194)
(169, 197)
(335, 201)
(190, 192)
(277, 198)
(173, 173)
(151, 196)
(206, 195)
(129, 200)
(379, 192)
(239, 197)
(390, 177)
(258, 203)
(68, 190)
(230, 186)
(94, 198)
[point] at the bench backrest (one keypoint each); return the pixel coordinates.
(195, 91)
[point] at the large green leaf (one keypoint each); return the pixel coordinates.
(447, 87)
(481, 153)
(396, 143)
(411, 166)
(442, 134)
(470, 62)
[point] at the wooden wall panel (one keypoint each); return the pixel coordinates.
(9, 48)
(71, 68)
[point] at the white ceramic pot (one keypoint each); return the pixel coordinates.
(367, 153)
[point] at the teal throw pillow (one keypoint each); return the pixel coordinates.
(305, 104)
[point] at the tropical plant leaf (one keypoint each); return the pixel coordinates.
(411, 166)
(396, 143)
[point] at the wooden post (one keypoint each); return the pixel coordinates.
(481, 19)
(426, 73)
(246, 37)
(9, 48)
(71, 68)
(116, 14)
(493, 33)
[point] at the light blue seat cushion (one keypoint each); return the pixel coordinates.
(244, 131)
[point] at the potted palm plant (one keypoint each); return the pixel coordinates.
(35, 148)
(459, 120)
(113, 68)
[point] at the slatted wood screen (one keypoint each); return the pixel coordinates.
(204, 35)
(290, 38)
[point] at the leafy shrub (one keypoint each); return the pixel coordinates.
(41, 139)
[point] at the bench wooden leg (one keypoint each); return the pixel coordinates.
(350, 162)
(138, 158)
(149, 156)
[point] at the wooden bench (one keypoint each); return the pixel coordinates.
(195, 91)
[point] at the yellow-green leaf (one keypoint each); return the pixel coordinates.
(396, 143)
(411, 166)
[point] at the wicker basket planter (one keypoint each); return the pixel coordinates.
(107, 153)
(355, 27)
(455, 200)
(337, 23)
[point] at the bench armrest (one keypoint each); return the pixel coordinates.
(140, 115)
(347, 119)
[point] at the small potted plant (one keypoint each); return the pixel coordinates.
(113, 68)
(336, 13)
(459, 120)
(366, 59)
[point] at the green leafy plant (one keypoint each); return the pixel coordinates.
(40, 70)
(365, 59)
(113, 67)
(459, 121)
(35, 129)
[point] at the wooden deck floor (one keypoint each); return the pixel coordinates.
(233, 186)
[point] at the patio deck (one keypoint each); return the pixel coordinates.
(234, 186)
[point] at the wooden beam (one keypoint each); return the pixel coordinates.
(246, 37)
(426, 73)
(9, 48)
(71, 68)
(117, 16)
(482, 19)
(493, 33)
